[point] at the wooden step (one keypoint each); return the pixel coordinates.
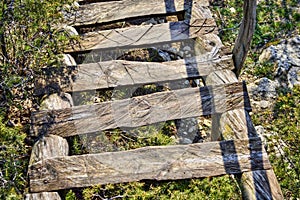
(155, 163)
(143, 36)
(109, 11)
(142, 110)
(115, 73)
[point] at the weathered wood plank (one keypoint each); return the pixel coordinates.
(141, 36)
(121, 73)
(264, 183)
(102, 12)
(139, 111)
(43, 196)
(157, 163)
(243, 41)
(48, 147)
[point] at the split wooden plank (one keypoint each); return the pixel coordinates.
(143, 36)
(140, 111)
(155, 163)
(103, 12)
(196, 24)
(121, 73)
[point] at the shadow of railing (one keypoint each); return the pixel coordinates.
(256, 158)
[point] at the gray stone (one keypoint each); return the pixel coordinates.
(264, 104)
(70, 30)
(286, 55)
(263, 89)
(187, 48)
(294, 77)
(152, 21)
(68, 60)
(56, 101)
(164, 55)
(260, 130)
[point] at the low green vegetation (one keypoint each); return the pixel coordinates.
(28, 42)
(183, 189)
(13, 162)
(276, 20)
(284, 143)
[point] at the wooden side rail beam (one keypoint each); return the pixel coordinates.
(243, 41)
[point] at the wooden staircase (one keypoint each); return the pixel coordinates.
(115, 26)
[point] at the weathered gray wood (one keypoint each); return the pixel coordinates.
(234, 124)
(108, 11)
(263, 182)
(48, 147)
(237, 124)
(121, 73)
(243, 41)
(141, 36)
(139, 111)
(43, 196)
(158, 163)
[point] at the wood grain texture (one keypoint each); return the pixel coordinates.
(142, 36)
(243, 41)
(43, 196)
(48, 147)
(103, 12)
(139, 111)
(156, 163)
(198, 23)
(264, 183)
(237, 124)
(234, 124)
(122, 73)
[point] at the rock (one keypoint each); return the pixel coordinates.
(263, 89)
(264, 104)
(293, 77)
(165, 56)
(286, 54)
(68, 60)
(187, 48)
(181, 54)
(70, 30)
(56, 101)
(152, 21)
(260, 130)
